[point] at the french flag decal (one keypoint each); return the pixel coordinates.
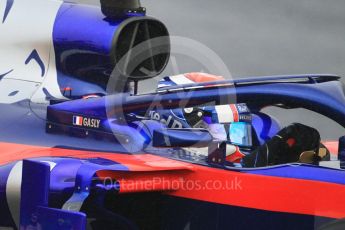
(77, 120)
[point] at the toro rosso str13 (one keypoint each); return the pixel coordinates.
(81, 149)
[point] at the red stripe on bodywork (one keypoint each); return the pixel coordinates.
(11, 152)
(268, 193)
(207, 184)
(234, 112)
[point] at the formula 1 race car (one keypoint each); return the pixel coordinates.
(80, 148)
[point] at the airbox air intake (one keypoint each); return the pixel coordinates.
(89, 45)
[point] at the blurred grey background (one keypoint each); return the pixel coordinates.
(264, 37)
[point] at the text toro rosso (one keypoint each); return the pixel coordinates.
(81, 149)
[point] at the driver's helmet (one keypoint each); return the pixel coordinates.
(230, 123)
(188, 78)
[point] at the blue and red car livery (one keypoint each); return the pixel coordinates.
(81, 149)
